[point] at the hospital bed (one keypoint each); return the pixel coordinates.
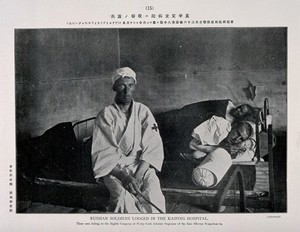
(246, 185)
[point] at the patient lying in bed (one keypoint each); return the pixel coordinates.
(215, 144)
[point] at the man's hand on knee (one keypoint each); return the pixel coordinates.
(131, 184)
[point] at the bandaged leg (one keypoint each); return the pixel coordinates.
(213, 168)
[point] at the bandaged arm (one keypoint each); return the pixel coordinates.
(196, 145)
(231, 149)
(209, 134)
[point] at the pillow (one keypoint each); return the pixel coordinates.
(212, 169)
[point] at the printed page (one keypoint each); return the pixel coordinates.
(57, 59)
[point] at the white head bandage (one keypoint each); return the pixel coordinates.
(123, 72)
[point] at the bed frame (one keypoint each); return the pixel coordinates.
(230, 191)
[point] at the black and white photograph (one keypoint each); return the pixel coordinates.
(164, 120)
(149, 115)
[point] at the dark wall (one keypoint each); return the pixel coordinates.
(179, 66)
(206, 49)
(64, 75)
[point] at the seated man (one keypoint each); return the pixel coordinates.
(215, 143)
(127, 149)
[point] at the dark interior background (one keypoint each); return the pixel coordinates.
(65, 74)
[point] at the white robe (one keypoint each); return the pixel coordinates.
(216, 164)
(214, 130)
(122, 142)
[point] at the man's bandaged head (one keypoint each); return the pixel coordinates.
(123, 72)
